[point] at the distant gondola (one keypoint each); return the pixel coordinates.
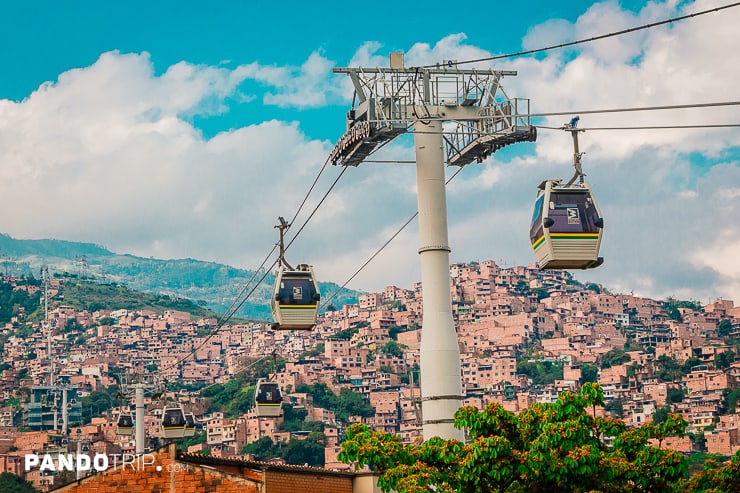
(267, 399)
(125, 424)
(566, 227)
(295, 300)
(173, 422)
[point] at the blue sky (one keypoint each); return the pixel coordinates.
(180, 129)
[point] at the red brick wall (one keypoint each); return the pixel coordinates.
(181, 477)
(286, 482)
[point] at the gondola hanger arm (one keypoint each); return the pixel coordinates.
(571, 127)
(282, 227)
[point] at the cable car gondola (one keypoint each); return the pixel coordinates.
(295, 296)
(295, 300)
(267, 399)
(189, 425)
(567, 225)
(125, 424)
(173, 422)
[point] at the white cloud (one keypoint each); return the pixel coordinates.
(108, 154)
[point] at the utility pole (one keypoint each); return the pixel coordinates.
(65, 411)
(139, 388)
(47, 325)
(140, 417)
(390, 101)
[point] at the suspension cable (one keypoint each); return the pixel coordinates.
(587, 40)
(377, 252)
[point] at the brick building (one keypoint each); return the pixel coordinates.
(168, 470)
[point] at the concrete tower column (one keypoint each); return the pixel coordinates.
(441, 385)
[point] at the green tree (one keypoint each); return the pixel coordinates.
(553, 447)
(689, 364)
(98, 402)
(724, 327)
(615, 406)
(73, 325)
(346, 334)
(242, 402)
(10, 482)
(668, 369)
(661, 414)
(724, 359)
(13, 301)
(541, 372)
(351, 403)
(674, 395)
(394, 330)
(309, 451)
(733, 397)
(716, 478)
(184, 443)
(348, 403)
(293, 418)
(263, 449)
(221, 394)
(393, 348)
(614, 357)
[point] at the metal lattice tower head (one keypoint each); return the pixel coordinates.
(479, 116)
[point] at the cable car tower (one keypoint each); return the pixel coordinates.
(479, 118)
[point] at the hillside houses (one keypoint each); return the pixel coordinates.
(673, 355)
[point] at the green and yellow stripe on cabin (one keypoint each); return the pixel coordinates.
(538, 242)
(297, 307)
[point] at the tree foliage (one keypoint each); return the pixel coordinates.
(233, 398)
(668, 369)
(724, 359)
(307, 451)
(393, 348)
(348, 403)
(541, 372)
(715, 478)
(589, 373)
(13, 301)
(733, 398)
(98, 402)
(10, 482)
(672, 308)
(724, 327)
(614, 357)
(674, 395)
(551, 447)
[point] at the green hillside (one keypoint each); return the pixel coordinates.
(211, 285)
(87, 295)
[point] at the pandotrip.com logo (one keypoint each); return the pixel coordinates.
(98, 463)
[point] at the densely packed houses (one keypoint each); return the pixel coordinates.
(514, 325)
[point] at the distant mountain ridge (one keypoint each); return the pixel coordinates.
(53, 248)
(217, 285)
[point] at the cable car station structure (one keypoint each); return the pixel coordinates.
(458, 117)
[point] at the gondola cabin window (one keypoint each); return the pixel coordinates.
(573, 212)
(269, 393)
(296, 292)
(535, 230)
